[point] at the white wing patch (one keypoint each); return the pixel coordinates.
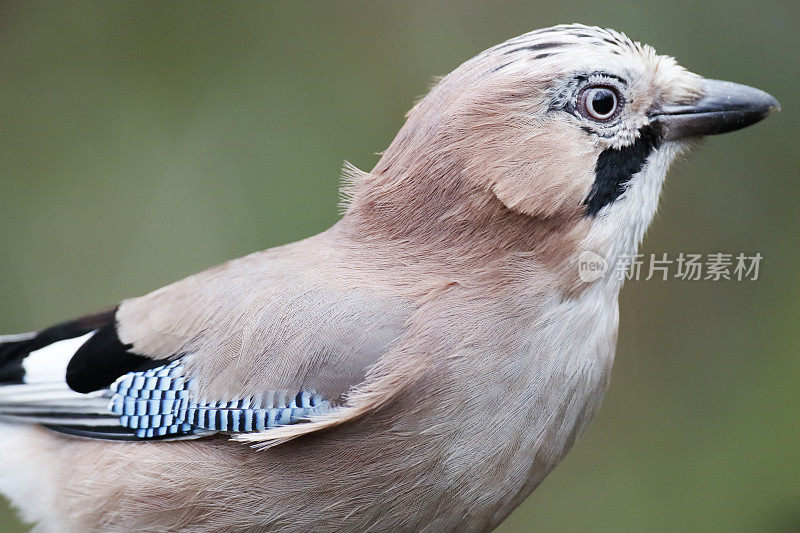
(49, 364)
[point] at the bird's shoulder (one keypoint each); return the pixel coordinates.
(279, 334)
(293, 315)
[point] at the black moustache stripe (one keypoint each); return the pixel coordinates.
(616, 167)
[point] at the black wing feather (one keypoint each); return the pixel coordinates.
(12, 353)
(102, 359)
(95, 387)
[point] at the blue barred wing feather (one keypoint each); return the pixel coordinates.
(162, 402)
(79, 379)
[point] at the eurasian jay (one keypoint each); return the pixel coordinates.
(421, 365)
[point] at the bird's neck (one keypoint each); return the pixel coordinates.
(619, 228)
(455, 230)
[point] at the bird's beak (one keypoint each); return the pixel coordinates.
(724, 107)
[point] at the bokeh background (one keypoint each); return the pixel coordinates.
(141, 142)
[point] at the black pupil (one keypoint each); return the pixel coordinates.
(603, 102)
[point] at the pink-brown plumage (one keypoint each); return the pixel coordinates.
(443, 316)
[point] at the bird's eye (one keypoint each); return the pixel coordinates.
(599, 102)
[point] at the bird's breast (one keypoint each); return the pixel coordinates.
(530, 396)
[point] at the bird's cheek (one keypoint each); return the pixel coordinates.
(547, 174)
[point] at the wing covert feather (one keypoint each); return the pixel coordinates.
(274, 320)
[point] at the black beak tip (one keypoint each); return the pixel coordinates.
(725, 106)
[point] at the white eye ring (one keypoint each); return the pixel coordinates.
(600, 102)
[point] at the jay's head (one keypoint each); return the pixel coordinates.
(573, 124)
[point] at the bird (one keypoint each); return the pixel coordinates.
(421, 365)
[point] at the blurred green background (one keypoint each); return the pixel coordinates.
(141, 142)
